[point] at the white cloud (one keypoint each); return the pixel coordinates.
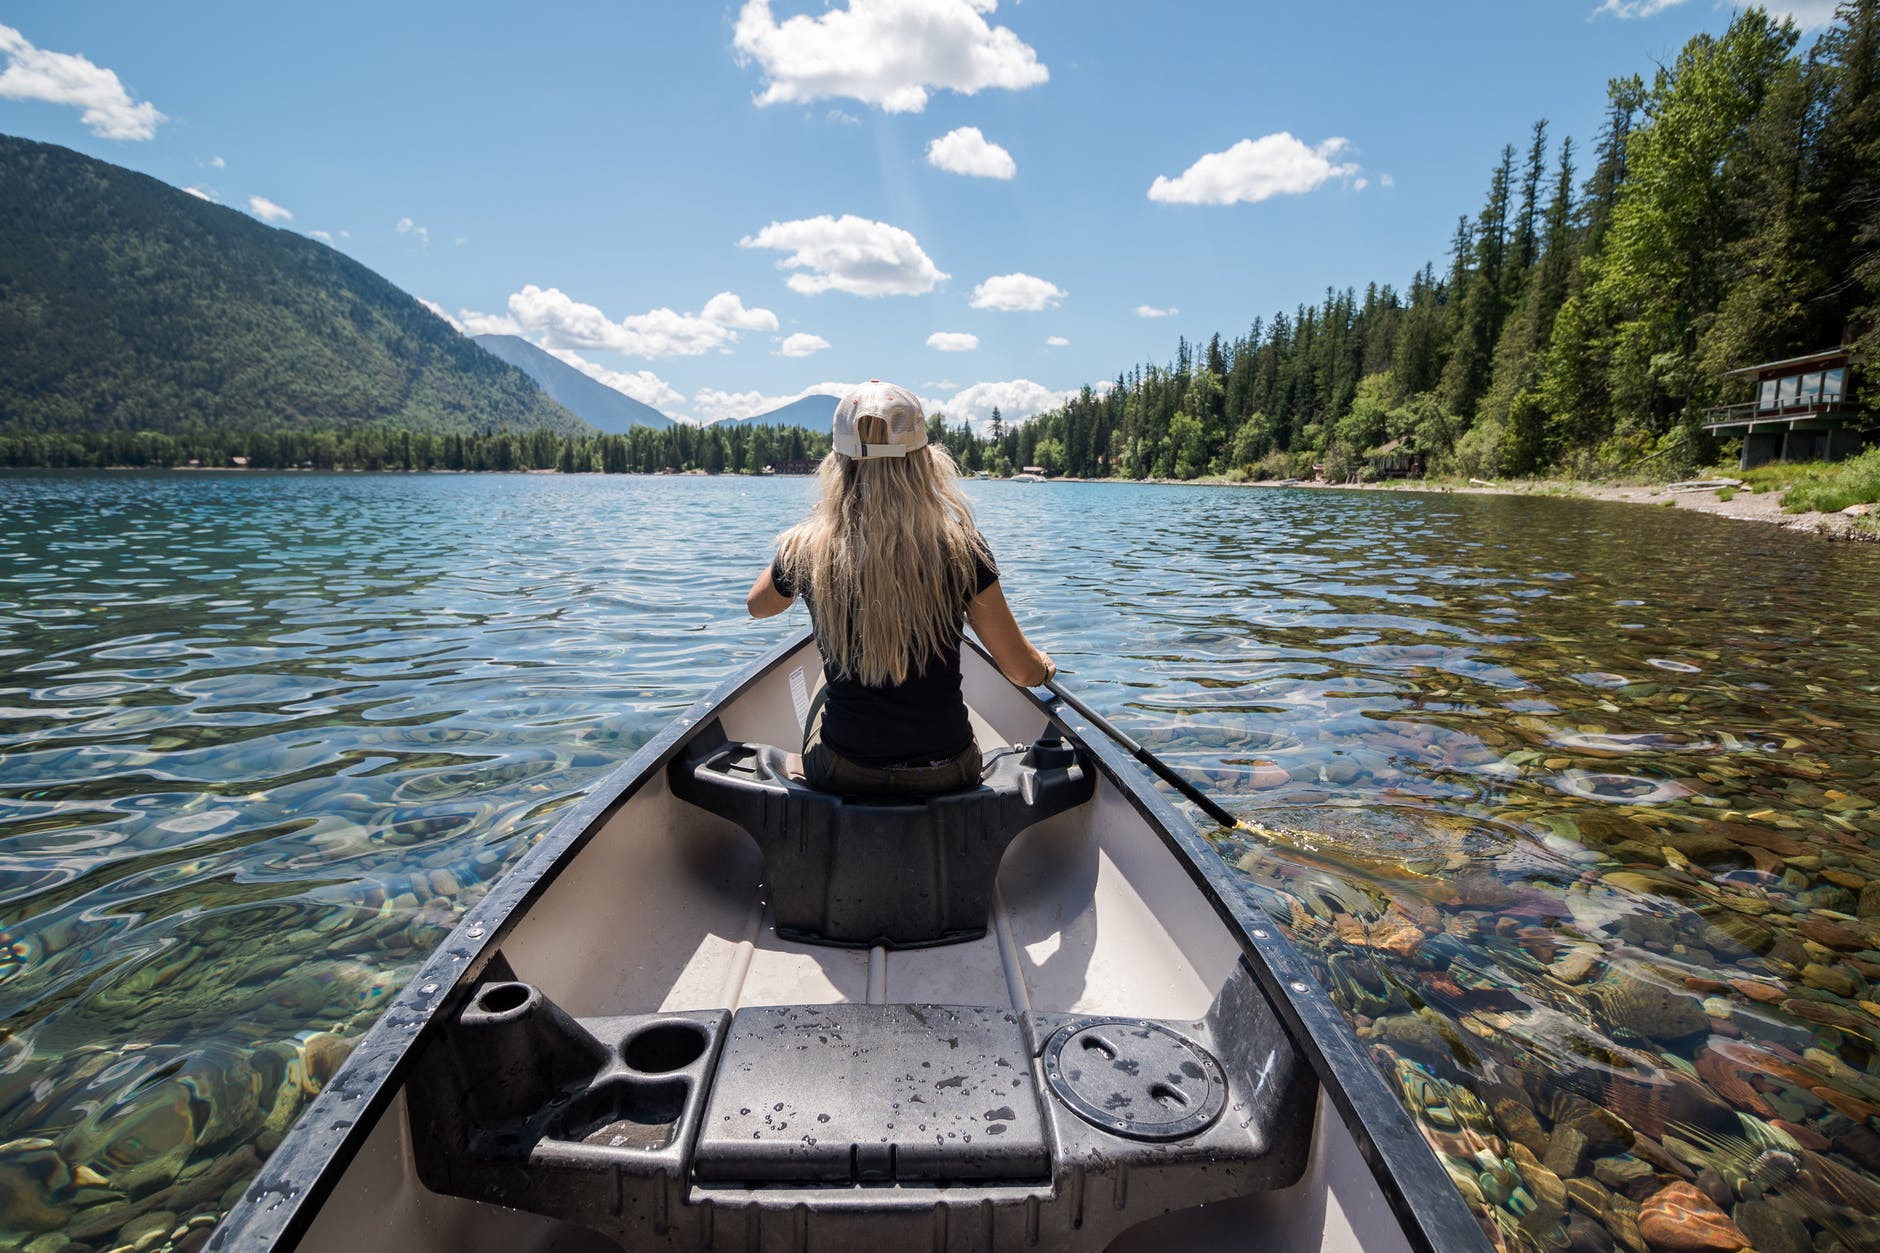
(408, 227)
(966, 151)
(727, 309)
(201, 193)
(432, 305)
(1626, 10)
(953, 341)
(643, 385)
(1254, 170)
(802, 344)
(1016, 292)
(218, 163)
(1360, 184)
(711, 405)
(1057, 341)
(1150, 311)
(326, 237)
(889, 53)
(1016, 400)
(268, 210)
(66, 78)
(850, 254)
(845, 117)
(1386, 180)
(1806, 14)
(554, 320)
(475, 323)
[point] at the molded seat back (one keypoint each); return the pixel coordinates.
(902, 872)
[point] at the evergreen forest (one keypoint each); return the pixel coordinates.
(730, 448)
(1727, 213)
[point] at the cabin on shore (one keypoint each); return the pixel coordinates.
(794, 465)
(1396, 459)
(1805, 409)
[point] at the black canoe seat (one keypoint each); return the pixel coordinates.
(857, 871)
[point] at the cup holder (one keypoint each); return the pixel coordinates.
(664, 1047)
(499, 999)
(625, 1114)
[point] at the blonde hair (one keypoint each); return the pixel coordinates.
(887, 557)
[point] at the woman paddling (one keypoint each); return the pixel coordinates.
(891, 565)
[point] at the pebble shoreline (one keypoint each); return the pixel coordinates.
(1765, 507)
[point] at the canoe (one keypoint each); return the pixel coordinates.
(713, 1009)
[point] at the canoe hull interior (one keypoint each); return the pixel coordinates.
(647, 1062)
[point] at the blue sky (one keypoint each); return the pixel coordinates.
(717, 208)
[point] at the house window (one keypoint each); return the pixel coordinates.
(1767, 400)
(1811, 388)
(1832, 383)
(1790, 389)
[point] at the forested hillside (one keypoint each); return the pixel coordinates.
(1728, 213)
(129, 306)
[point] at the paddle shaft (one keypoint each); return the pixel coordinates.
(1160, 768)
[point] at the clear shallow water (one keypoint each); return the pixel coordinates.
(1574, 803)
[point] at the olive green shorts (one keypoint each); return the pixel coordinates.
(829, 771)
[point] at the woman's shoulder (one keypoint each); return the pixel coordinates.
(985, 566)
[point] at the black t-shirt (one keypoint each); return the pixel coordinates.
(911, 723)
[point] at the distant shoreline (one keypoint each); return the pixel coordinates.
(1743, 506)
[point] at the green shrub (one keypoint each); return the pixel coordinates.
(1833, 486)
(1276, 465)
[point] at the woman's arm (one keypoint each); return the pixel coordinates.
(765, 601)
(1019, 660)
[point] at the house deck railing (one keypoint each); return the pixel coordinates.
(1755, 411)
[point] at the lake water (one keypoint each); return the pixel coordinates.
(1574, 804)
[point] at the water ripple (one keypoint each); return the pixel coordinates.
(1535, 778)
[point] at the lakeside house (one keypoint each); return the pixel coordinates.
(1805, 409)
(1396, 459)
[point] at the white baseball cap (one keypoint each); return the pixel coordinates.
(907, 425)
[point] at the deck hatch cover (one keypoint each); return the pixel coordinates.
(1135, 1079)
(843, 1094)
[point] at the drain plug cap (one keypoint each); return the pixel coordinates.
(1135, 1079)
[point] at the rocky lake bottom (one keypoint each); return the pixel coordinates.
(1573, 805)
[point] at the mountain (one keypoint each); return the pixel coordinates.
(588, 399)
(127, 305)
(813, 413)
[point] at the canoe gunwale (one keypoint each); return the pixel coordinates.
(287, 1193)
(1434, 1217)
(294, 1182)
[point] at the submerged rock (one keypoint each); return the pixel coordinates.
(1768, 1229)
(1680, 1217)
(31, 1171)
(1650, 1009)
